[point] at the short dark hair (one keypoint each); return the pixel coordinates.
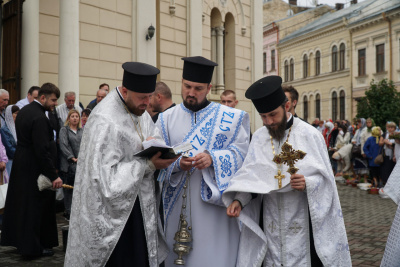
(48, 89)
(14, 109)
(32, 89)
(104, 84)
(163, 89)
(294, 95)
(86, 111)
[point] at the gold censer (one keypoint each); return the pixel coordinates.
(183, 237)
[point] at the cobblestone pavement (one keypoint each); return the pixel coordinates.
(367, 217)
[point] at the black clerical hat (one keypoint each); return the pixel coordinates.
(139, 77)
(198, 69)
(266, 94)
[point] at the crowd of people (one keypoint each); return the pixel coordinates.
(353, 149)
(263, 179)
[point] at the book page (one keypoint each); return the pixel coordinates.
(155, 143)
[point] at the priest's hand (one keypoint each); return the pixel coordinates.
(234, 209)
(298, 182)
(57, 183)
(186, 163)
(160, 163)
(202, 161)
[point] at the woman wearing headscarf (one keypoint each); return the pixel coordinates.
(9, 135)
(366, 133)
(388, 148)
(360, 165)
(372, 150)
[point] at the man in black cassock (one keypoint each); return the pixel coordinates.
(29, 221)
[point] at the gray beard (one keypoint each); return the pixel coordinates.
(279, 132)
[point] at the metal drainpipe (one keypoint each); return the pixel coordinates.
(390, 44)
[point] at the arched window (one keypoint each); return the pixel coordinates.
(317, 63)
(334, 106)
(291, 69)
(286, 71)
(341, 56)
(342, 105)
(318, 106)
(334, 58)
(305, 66)
(305, 108)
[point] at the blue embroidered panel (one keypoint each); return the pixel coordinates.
(221, 138)
(225, 166)
(164, 130)
(206, 130)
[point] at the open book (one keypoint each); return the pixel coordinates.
(151, 147)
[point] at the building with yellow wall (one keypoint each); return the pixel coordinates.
(79, 44)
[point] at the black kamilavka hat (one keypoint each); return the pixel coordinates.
(266, 94)
(139, 77)
(198, 69)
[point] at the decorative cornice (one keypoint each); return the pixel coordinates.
(303, 39)
(320, 78)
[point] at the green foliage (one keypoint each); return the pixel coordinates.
(381, 103)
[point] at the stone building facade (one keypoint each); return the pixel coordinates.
(79, 44)
(322, 59)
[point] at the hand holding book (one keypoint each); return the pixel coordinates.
(152, 146)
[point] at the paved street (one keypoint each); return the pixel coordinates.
(367, 217)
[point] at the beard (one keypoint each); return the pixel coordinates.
(277, 131)
(137, 110)
(195, 106)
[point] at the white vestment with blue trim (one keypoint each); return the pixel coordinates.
(286, 212)
(224, 133)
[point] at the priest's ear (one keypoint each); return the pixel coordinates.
(124, 92)
(287, 106)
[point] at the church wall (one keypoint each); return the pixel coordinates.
(107, 39)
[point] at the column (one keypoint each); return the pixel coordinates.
(68, 60)
(214, 57)
(220, 60)
(195, 28)
(256, 55)
(30, 46)
(144, 15)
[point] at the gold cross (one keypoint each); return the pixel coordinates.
(279, 177)
(289, 156)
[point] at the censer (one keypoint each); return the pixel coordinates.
(183, 236)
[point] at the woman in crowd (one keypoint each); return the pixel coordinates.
(372, 150)
(342, 140)
(85, 116)
(327, 132)
(366, 133)
(360, 164)
(388, 148)
(70, 141)
(9, 135)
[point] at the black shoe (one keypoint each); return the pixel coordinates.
(47, 252)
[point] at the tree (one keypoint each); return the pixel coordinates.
(381, 103)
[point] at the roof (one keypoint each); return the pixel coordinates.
(331, 18)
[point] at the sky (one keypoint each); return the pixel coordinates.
(328, 2)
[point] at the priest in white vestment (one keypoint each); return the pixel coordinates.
(114, 218)
(302, 218)
(391, 257)
(220, 138)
